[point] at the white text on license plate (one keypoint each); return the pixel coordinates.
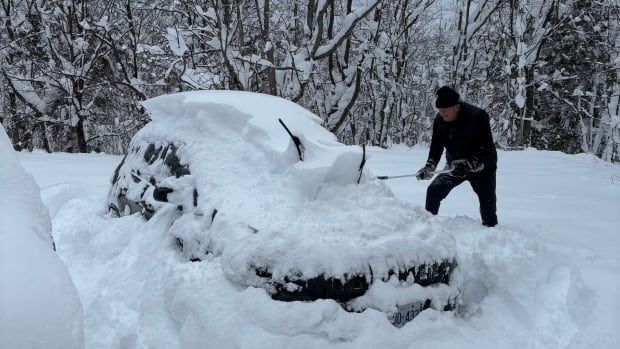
(405, 313)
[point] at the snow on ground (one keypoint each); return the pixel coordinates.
(570, 205)
(39, 305)
(547, 277)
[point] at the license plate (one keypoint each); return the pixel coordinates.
(405, 313)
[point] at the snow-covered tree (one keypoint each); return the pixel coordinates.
(73, 72)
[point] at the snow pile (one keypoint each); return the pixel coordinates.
(39, 306)
(259, 206)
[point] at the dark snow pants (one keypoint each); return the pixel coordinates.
(483, 184)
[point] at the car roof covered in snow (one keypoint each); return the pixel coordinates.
(259, 109)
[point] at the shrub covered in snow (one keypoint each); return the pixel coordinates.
(39, 305)
(256, 180)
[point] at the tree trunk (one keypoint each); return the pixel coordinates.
(80, 136)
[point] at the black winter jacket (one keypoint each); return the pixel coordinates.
(468, 137)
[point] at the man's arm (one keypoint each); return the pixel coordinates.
(434, 154)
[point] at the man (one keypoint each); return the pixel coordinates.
(464, 131)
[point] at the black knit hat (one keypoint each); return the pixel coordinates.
(446, 97)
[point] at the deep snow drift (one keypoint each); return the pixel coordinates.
(547, 277)
(39, 306)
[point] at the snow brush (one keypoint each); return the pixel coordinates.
(411, 175)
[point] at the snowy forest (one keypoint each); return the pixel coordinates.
(73, 73)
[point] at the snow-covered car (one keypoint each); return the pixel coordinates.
(257, 182)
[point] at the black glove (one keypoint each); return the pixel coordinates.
(460, 168)
(427, 171)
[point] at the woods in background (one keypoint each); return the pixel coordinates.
(73, 73)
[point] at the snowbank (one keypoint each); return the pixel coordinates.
(39, 305)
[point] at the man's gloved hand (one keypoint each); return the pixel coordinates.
(426, 172)
(460, 168)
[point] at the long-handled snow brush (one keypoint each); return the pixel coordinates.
(411, 175)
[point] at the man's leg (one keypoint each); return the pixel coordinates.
(484, 185)
(439, 189)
